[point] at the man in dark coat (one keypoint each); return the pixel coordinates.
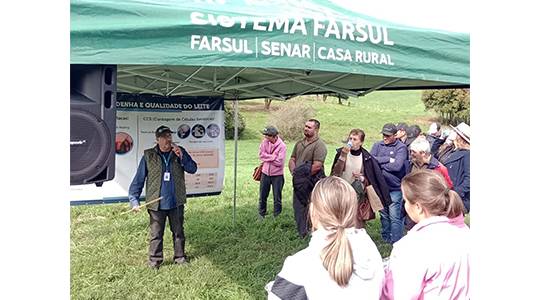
(391, 154)
(458, 164)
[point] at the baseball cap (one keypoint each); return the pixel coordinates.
(389, 129)
(270, 130)
(162, 130)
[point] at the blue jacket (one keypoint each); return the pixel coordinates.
(394, 171)
(459, 170)
(435, 143)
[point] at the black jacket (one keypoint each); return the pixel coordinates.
(303, 181)
(459, 170)
(373, 173)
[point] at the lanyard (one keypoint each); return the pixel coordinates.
(166, 160)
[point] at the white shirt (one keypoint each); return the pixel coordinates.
(305, 269)
(354, 163)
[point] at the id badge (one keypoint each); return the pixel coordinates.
(166, 176)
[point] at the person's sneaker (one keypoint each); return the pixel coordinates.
(180, 261)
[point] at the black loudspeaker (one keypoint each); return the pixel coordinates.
(93, 123)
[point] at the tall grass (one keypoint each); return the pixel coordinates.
(227, 261)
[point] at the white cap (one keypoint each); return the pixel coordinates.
(432, 128)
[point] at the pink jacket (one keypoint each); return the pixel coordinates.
(431, 262)
(272, 163)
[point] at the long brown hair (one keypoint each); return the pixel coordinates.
(461, 143)
(334, 207)
(429, 188)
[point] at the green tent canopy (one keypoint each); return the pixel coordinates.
(261, 49)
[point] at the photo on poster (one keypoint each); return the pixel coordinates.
(213, 130)
(198, 131)
(123, 143)
(183, 131)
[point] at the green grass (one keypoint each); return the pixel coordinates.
(228, 261)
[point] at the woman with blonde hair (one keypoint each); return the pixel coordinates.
(341, 261)
(432, 260)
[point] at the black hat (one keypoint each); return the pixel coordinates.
(270, 130)
(389, 129)
(413, 131)
(402, 126)
(162, 130)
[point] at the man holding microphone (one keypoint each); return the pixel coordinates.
(163, 167)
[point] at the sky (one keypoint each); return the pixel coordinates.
(443, 15)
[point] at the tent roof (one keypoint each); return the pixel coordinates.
(283, 48)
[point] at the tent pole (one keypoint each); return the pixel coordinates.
(235, 155)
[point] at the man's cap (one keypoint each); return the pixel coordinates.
(402, 126)
(434, 127)
(162, 130)
(413, 131)
(389, 129)
(464, 131)
(270, 130)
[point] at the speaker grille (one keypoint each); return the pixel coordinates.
(90, 144)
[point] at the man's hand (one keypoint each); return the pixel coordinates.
(292, 164)
(136, 208)
(177, 150)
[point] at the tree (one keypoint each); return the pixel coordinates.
(452, 105)
(267, 102)
(229, 122)
(290, 119)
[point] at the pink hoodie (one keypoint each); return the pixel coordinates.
(431, 262)
(273, 163)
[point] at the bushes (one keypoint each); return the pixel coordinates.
(453, 106)
(290, 119)
(229, 121)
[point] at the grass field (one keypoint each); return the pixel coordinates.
(227, 261)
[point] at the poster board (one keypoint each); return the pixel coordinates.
(198, 126)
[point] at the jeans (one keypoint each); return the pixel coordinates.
(301, 217)
(264, 190)
(392, 221)
(157, 229)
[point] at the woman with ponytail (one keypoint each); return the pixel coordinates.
(432, 260)
(341, 261)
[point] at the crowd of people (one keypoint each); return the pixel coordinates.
(419, 184)
(422, 183)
